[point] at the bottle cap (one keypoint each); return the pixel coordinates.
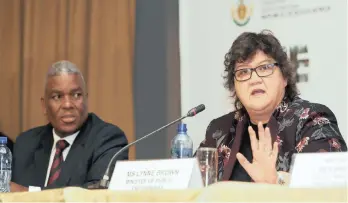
(3, 140)
(182, 128)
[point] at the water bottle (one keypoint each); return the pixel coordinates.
(182, 145)
(5, 165)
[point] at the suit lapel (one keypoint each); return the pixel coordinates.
(234, 149)
(42, 157)
(70, 163)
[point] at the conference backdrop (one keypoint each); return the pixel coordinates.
(314, 33)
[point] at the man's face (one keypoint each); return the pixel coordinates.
(65, 103)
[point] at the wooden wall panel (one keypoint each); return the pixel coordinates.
(44, 42)
(111, 50)
(78, 32)
(10, 74)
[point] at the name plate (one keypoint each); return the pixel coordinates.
(319, 170)
(156, 174)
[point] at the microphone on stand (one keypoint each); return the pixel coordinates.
(104, 183)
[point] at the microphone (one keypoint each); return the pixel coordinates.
(104, 183)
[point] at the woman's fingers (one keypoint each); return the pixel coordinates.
(261, 132)
(267, 141)
(275, 151)
(253, 140)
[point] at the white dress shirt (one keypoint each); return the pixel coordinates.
(70, 139)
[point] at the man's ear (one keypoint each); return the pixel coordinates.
(43, 106)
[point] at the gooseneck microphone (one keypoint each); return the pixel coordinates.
(104, 183)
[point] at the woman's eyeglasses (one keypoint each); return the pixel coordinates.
(262, 71)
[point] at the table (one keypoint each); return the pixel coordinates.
(219, 192)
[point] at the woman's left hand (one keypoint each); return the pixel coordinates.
(263, 167)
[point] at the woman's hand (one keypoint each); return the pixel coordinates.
(263, 167)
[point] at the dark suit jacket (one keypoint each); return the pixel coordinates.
(85, 163)
(9, 141)
(298, 126)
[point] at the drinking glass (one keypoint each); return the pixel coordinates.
(208, 162)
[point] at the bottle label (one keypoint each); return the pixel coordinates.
(181, 153)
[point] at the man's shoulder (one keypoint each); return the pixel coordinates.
(31, 134)
(102, 125)
(104, 133)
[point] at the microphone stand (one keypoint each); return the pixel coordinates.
(104, 183)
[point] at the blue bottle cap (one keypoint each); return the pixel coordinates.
(182, 128)
(3, 140)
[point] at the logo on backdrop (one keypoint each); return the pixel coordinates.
(241, 12)
(283, 9)
(298, 55)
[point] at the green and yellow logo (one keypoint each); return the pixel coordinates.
(241, 12)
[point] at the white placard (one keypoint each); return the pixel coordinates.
(319, 170)
(156, 174)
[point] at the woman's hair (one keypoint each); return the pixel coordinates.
(245, 47)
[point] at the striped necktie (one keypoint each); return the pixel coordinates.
(57, 161)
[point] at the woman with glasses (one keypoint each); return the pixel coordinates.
(270, 122)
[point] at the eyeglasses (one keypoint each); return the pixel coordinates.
(265, 70)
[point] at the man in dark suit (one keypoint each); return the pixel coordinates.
(75, 148)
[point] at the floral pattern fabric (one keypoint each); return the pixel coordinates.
(298, 126)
